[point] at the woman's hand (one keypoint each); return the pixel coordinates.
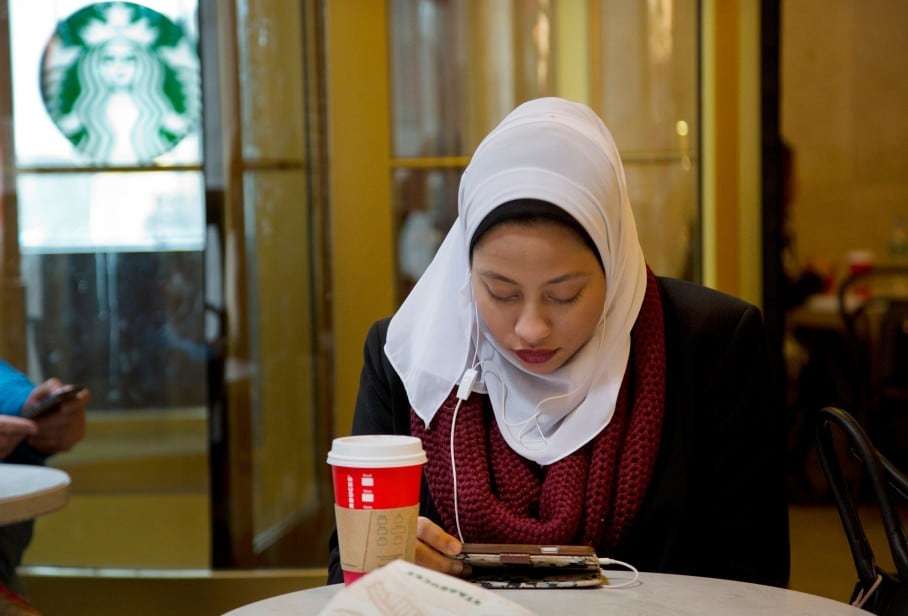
(12, 431)
(435, 548)
(60, 430)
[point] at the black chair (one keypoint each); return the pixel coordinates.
(882, 592)
(873, 306)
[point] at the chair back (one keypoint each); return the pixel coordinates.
(878, 591)
(873, 305)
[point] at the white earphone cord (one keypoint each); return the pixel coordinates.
(463, 392)
(612, 561)
(454, 473)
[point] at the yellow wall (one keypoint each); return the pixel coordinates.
(360, 187)
(844, 96)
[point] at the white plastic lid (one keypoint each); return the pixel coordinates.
(376, 451)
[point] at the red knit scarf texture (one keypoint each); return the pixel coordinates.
(589, 497)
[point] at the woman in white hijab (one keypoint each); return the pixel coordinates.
(565, 394)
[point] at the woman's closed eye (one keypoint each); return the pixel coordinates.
(565, 298)
(566, 292)
(503, 294)
(510, 296)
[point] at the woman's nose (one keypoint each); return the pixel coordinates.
(532, 327)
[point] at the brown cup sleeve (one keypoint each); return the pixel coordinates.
(370, 538)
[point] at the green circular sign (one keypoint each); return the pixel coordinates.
(121, 82)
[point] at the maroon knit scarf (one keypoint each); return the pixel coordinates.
(589, 497)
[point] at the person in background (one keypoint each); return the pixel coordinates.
(23, 441)
(800, 281)
(813, 368)
(599, 404)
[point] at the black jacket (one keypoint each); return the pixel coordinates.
(716, 504)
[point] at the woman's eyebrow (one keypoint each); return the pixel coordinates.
(555, 280)
(566, 277)
(496, 276)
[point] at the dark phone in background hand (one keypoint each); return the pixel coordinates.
(52, 402)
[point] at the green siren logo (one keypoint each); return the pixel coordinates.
(121, 82)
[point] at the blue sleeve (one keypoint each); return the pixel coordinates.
(14, 389)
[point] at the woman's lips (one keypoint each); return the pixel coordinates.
(536, 356)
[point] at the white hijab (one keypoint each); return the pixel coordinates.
(557, 151)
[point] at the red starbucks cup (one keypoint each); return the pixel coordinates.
(376, 499)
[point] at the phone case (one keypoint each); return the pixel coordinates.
(499, 565)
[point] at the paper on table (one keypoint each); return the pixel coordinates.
(404, 589)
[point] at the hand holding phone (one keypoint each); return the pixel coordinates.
(52, 402)
(436, 549)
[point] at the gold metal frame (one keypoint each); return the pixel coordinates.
(732, 200)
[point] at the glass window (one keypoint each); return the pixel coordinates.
(646, 89)
(110, 211)
(106, 85)
(424, 199)
(184, 285)
(459, 67)
(110, 196)
(278, 231)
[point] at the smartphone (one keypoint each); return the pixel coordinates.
(532, 566)
(52, 402)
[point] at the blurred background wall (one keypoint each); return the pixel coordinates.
(844, 101)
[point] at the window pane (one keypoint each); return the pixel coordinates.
(281, 317)
(87, 212)
(427, 54)
(129, 325)
(426, 206)
(114, 268)
(649, 73)
(664, 200)
(458, 67)
(280, 267)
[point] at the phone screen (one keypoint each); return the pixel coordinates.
(52, 402)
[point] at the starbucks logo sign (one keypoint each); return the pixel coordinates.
(121, 82)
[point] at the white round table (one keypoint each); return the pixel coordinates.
(29, 491)
(656, 594)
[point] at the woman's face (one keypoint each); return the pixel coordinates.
(118, 64)
(539, 290)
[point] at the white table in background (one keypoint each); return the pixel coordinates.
(656, 594)
(29, 491)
